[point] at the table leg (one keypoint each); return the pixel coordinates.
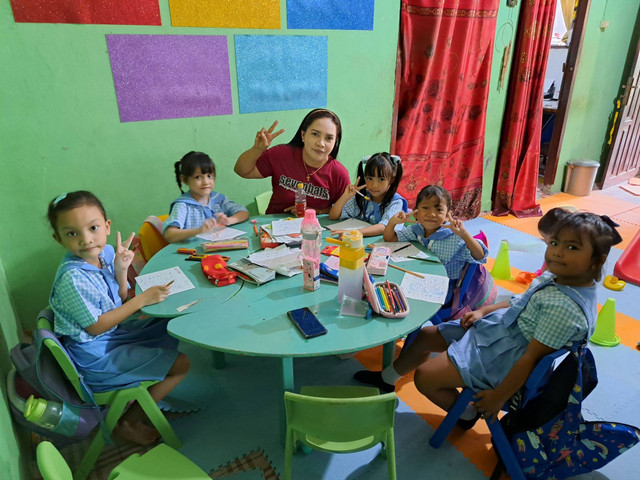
(287, 386)
(219, 361)
(388, 353)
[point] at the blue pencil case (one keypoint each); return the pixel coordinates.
(389, 306)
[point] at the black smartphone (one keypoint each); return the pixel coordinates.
(307, 322)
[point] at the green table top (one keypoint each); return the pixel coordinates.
(252, 320)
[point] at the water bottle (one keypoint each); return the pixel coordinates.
(44, 413)
(301, 201)
(311, 245)
(351, 262)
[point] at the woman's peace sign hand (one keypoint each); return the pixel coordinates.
(124, 256)
(264, 137)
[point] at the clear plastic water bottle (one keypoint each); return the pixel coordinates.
(44, 413)
(311, 236)
(301, 200)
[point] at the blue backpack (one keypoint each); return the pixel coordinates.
(38, 373)
(549, 436)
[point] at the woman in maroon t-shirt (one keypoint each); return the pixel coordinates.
(310, 158)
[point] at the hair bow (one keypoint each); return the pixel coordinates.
(616, 236)
(59, 199)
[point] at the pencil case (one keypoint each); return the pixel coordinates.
(378, 260)
(377, 294)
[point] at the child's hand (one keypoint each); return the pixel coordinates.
(351, 190)
(264, 137)
(222, 219)
(208, 225)
(403, 217)
(488, 403)
(124, 256)
(155, 294)
(456, 226)
(338, 233)
(469, 318)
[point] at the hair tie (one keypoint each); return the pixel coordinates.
(616, 236)
(59, 199)
(395, 159)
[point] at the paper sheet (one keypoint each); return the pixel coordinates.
(404, 249)
(286, 227)
(224, 234)
(282, 259)
(431, 288)
(349, 224)
(162, 277)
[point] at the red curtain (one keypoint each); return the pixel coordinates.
(517, 173)
(446, 49)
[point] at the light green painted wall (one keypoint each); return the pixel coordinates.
(60, 131)
(600, 72)
(13, 464)
(506, 25)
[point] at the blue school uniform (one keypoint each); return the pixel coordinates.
(555, 315)
(185, 212)
(446, 245)
(123, 356)
(372, 213)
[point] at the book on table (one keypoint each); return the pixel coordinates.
(251, 272)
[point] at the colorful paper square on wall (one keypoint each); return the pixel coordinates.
(281, 72)
(110, 12)
(331, 14)
(170, 76)
(225, 13)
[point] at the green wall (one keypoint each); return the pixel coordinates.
(60, 131)
(602, 68)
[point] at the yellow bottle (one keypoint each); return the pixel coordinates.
(351, 262)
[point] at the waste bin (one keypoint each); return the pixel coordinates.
(580, 177)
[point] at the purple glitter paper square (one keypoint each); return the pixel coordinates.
(170, 76)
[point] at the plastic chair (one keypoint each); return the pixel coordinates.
(158, 463)
(342, 419)
(117, 400)
(532, 388)
(150, 235)
(262, 202)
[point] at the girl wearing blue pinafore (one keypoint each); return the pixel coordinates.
(494, 349)
(200, 210)
(374, 198)
(110, 347)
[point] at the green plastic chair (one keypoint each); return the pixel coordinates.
(161, 462)
(117, 400)
(341, 419)
(262, 202)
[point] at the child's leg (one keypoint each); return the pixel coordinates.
(428, 340)
(130, 426)
(437, 380)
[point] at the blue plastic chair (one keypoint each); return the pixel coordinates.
(531, 389)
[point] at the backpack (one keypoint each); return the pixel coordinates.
(38, 373)
(548, 435)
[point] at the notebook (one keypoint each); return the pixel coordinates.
(251, 272)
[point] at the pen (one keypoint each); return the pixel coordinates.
(402, 248)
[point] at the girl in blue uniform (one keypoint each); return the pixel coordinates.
(200, 210)
(88, 299)
(373, 198)
(494, 349)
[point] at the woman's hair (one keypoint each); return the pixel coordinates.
(69, 201)
(312, 116)
(380, 165)
(188, 164)
(598, 230)
(549, 219)
(434, 191)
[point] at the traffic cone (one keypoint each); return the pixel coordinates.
(501, 269)
(605, 333)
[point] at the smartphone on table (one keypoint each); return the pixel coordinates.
(306, 322)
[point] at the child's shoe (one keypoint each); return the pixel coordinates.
(469, 423)
(375, 379)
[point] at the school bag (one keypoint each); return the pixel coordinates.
(38, 373)
(548, 435)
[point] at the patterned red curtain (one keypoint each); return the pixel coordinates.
(446, 49)
(517, 174)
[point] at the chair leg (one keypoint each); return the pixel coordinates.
(288, 455)
(391, 454)
(150, 407)
(505, 451)
(452, 417)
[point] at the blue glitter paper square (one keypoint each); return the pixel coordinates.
(281, 72)
(330, 14)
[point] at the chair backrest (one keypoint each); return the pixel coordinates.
(151, 238)
(262, 202)
(341, 419)
(51, 464)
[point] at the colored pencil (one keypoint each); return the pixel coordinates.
(399, 298)
(380, 300)
(387, 305)
(393, 302)
(362, 195)
(406, 271)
